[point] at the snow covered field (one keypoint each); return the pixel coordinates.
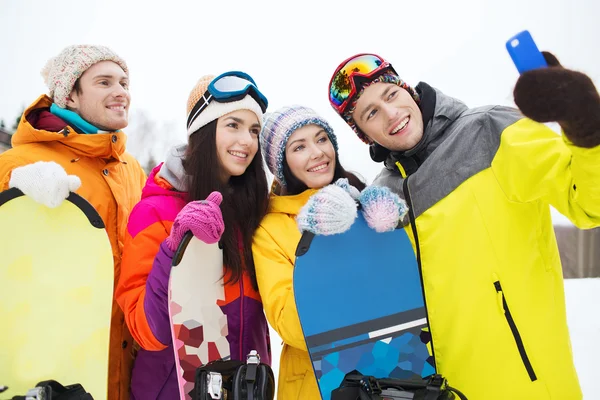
(583, 302)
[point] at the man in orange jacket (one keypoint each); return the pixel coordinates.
(71, 141)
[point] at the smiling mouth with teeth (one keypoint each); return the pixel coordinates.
(238, 154)
(319, 168)
(400, 126)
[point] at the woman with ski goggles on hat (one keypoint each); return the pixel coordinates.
(215, 187)
(312, 192)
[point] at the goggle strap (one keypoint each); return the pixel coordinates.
(198, 108)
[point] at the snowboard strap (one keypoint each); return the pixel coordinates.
(250, 379)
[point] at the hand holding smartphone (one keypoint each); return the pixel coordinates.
(524, 52)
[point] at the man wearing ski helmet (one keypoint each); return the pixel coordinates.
(479, 184)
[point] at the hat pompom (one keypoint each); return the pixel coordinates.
(45, 72)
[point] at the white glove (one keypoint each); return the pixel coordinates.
(45, 182)
(329, 211)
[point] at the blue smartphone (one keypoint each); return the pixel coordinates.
(524, 52)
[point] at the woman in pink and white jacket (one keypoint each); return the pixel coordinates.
(215, 187)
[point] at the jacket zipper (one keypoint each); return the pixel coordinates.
(515, 333)
(413, 224)
(242, 318)
(240, 239)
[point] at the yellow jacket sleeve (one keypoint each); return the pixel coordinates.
(533, 163)
(274, 273)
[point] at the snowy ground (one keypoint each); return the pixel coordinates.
(583, 301)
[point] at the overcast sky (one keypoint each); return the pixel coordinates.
(291, 49)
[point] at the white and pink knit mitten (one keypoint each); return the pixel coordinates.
(344, 184)
(329, 211)
(383, 210)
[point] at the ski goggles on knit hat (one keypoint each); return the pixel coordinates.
(346, 81)
(228, 87)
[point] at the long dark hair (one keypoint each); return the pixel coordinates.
(296, 186)
(245, 198)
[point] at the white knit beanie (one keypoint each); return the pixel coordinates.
(215, 109)
(62, 71)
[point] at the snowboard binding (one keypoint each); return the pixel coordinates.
(235, 380)
(52, 390)
(356, 386)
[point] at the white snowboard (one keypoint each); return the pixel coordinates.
(198, 326)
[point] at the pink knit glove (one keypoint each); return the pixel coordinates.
(202, 217)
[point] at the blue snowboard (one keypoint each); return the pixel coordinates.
(360, 303)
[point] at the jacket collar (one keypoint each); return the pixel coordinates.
(439, 111)
(289, 204)
(109, 146)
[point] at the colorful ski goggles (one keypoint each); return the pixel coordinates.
(227, 87)
(345, 82)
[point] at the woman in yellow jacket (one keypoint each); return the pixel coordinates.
(300, 150)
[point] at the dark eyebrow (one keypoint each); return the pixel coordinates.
(304, 140)
(241, 121)
(235, 119)
(385, 92)
(297, 140)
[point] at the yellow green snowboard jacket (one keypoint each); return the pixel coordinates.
(481, 187)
